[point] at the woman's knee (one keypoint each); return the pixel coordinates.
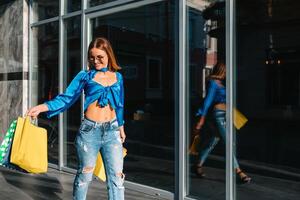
(118, 180)
(84, 176)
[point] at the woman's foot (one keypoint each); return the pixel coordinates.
(243, 178)
(199, 171)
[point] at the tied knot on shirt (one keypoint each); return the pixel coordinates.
(104, 97)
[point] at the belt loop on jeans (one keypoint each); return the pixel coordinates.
(95, 124)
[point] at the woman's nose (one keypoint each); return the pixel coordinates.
(96, 61)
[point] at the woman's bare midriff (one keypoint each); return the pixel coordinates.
(220, 106)
(95, 112)
(100, 114)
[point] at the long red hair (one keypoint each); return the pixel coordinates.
(103, 44)
(219, 71)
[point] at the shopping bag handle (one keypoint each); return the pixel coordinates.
(31, 119)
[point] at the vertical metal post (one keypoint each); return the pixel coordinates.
(182, 124)
(83, 45)
(26, 28)
(230, 63)
(83, 34)
(61, 84)
(30, 54)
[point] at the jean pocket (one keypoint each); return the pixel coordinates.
(118, 135)
(85, 128)
(114, 126)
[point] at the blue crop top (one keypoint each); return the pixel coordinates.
(215, 94)
(113, 95)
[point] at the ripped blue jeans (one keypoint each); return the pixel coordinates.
(220, 117)
(103, 137)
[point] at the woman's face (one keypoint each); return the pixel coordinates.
(98, 58)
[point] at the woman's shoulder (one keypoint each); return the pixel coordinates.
(212, 82)
(84, 71)
(83, 74)
(215, 83)
(119, 75)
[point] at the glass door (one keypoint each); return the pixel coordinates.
(206, 95)
(142, 37)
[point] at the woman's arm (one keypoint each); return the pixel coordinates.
(120, 106)
(62, 101)
(120, 109)
(36, 110)
(211, 93)
(200, 123)
(122, 134)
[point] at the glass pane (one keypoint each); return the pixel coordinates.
(143, 40)
(268, 94)
(72, 65)
(45, 79)
(73, 5)
(205, 47)
(44, 9)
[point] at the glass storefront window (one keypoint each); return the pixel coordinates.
(45, 79)
(267, 93)
(206, 153)
(266, 89)
(43, 9)
(73, 5)
(92, 3)
(72, 65)
(143, 40)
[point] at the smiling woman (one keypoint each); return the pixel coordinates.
(98, 58)
(100, 54)
(103, 126)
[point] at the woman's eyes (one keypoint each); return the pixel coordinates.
(97, 58)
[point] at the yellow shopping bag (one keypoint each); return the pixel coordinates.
(239, 120)
(195, 145)
(99, 170)
(29, 148)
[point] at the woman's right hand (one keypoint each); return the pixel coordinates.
(36, 110)
(198, 125)
(195, 132)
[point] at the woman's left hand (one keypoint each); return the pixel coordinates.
(122, 134)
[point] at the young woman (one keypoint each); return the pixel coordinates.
(216, 97)
(102, 128)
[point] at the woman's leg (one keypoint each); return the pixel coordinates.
(204, 152)
(112, 154)
(220, 117)
(87, 146)
(221, 123)
(212, 142)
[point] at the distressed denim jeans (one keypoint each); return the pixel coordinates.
(103, 137)
(220, 117)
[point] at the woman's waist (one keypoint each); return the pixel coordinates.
(220, 106)
(95, 124)
(100, 114)
(219, 110)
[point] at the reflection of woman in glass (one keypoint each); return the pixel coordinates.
(216, 97)
(102, 127)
